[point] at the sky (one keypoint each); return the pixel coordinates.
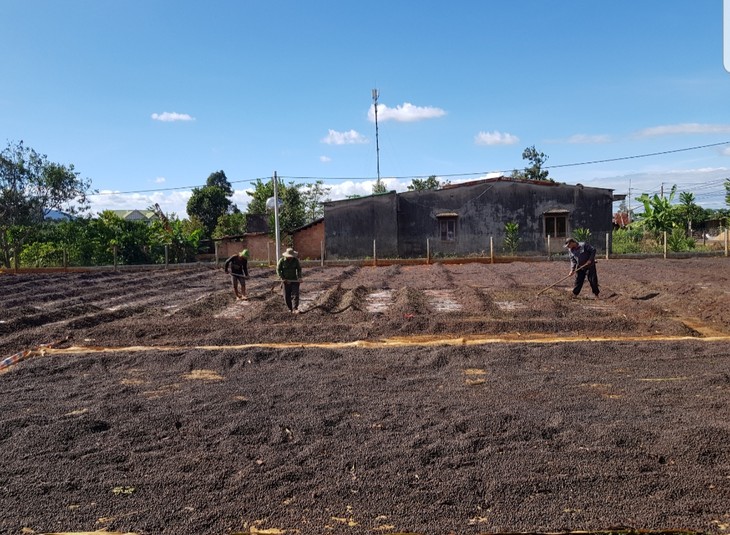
(147, 98)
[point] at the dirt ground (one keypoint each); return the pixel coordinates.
(433, 399)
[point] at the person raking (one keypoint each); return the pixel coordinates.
(239, 273)
(582, 257)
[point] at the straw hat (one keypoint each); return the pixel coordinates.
(290, 253)
(244, 253)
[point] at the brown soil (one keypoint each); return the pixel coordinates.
(431, 399)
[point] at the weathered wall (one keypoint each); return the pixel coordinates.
(259, 246)
(481, 209)
(308, 241)
(352, 225)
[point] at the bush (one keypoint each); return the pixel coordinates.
(41, 254)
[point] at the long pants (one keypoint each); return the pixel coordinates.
(291, 295)
(580, 277)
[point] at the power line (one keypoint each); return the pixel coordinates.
(411, 177)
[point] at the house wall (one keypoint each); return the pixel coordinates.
(308, 241)
(483, 209)
(259, 246)
(353, 224)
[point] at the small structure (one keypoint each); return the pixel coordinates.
(459, 219)
(146, 216)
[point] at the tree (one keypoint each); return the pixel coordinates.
(219, 179)
(689, 211)
(230, 225)
(659, 214)
(534, 171)
(313, 197)
(30, 187)
(291, 210)
(511, 236)
(211, 201)
(418, 184)
(379, 187)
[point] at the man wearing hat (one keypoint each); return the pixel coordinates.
(239, 272)
(582, 257)
(289, 271)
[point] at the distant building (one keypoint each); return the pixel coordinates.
(460, 219)
(146, 216)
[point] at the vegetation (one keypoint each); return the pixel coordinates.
(30, 187)
(534, 171)
(211, 202)
(582, 234)
(418, 184)
(511, 237)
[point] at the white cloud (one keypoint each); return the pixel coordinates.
(495, 138)
(684, 128)
(169, 117)
(405, 113)
(585, 138)
(725, 151)
(325, 159)
(160, 180)
(351, 137)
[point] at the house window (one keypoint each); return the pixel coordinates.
(556, 225)
(447, 228)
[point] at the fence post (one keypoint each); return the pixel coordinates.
(428, 251)
(321, 253)
(607, 235)
(549, 251)
(665, 244)
(375, 255)
(216, 244)
(167, 255)
(268, 252)
(65, 259)
(727, 235)
(115, 258)
(491, 249)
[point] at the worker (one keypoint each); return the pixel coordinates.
(582, 257)
(289, 271)
(239, 273)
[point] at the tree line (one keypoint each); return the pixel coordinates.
(31, 187)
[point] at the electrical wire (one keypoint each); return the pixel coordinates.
(411, 177)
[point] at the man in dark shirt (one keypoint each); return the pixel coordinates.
(239, 272)
(290, 272)
(582, 264)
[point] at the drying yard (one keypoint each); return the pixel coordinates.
(432, 399)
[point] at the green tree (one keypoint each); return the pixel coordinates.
(659, 214)
(230, 225)
(418, 184)
(30, 187)
(511, 237)
(535, 171)
(689, 211)
(208, 204)
(313, 197)
(379, 187)
(219, 179)
(291, 209)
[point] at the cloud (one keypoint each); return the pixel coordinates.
(684, 128)
(585, 138)
(350, 137)
(170, 117)
(405, 113)
(495, 138)
(160, 180)
(325, 159)
(725, 151)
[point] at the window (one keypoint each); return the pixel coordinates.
(447, 228)
(556, 225)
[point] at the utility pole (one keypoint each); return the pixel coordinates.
(377, 144)
(276, 216)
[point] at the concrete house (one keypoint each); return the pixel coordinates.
(459, 219)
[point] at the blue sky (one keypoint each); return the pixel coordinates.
(148, 97)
